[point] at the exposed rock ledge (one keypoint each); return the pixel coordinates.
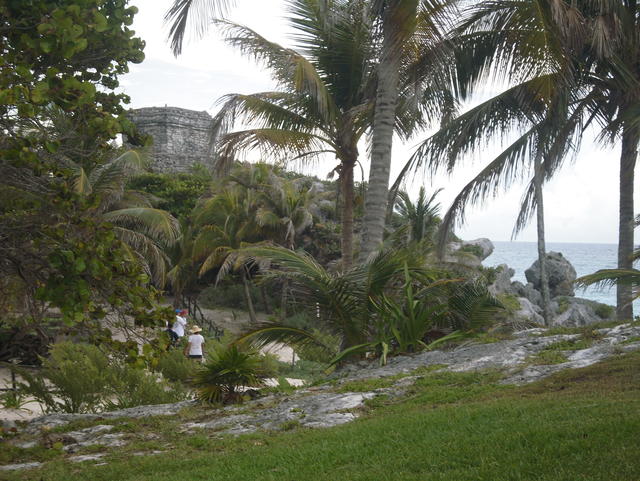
(322, 406)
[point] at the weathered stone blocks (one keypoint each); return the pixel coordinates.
(181, 137)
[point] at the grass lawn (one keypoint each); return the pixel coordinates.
(578, 425)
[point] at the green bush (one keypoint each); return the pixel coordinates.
(229, 370)
(78, 376)
(476, 250)
(129, 387)
(563, 305)
(603, 311)
(175, 367)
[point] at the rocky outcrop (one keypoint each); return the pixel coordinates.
(528, 292)
(53, 420)
(568, 310)
(560, 272)
(529, 312)
(469, 253)
(576, 312)
(502, 283)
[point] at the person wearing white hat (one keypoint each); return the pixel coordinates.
(194, 349)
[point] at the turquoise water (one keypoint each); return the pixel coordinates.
(585, 258)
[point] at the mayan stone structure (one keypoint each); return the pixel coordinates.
(180, 136)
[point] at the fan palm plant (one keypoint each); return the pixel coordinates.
(417, 222)
(223, 377)
(148, 231)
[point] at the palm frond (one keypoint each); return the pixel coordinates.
(155, 223)
(273, 333)
(153, 257)
(611, 277)
(290, 69)
(196, 14)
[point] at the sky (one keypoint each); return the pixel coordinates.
(581, 202)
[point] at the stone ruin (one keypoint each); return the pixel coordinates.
(180, 137)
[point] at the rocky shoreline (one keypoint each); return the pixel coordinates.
(525, 300)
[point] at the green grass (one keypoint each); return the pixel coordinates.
(577, 425)
(570, 345)
(547, 357)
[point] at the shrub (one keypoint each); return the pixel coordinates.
(129, 387)
(78, 378)
(603, 311)
(228, 371)
(476, 250)
(78, 375)
(175, 367)
(563, 305)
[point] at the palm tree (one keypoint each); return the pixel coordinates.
(146, 230)
(419, 221)
(405, 25)
(225, 224)
(323, 103)
(590, 45)
(384, 304)
(326, 94)
(285, 206)
(283, 212)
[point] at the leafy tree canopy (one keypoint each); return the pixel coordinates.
(60, 61)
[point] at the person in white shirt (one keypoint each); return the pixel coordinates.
(194, 349)
(179, 324)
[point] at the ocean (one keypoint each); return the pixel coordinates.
(585, 258)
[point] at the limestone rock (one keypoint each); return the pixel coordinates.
(61, 419)
(470, 253)
(560, 272)
(16, 467)
(575, 312)
(502, 283)
(527, 291)
(180, 137)
(529, 312)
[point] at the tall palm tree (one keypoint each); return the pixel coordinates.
(599, 41)
(544, 131)
(605, 47)
(405, 26)
(326, 94)
(323, 103)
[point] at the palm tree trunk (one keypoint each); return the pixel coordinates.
(542, 254)
(265, 299)
(284, 299)
(382, 139)
(346, 181)
(630, 139)
(247, 296)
